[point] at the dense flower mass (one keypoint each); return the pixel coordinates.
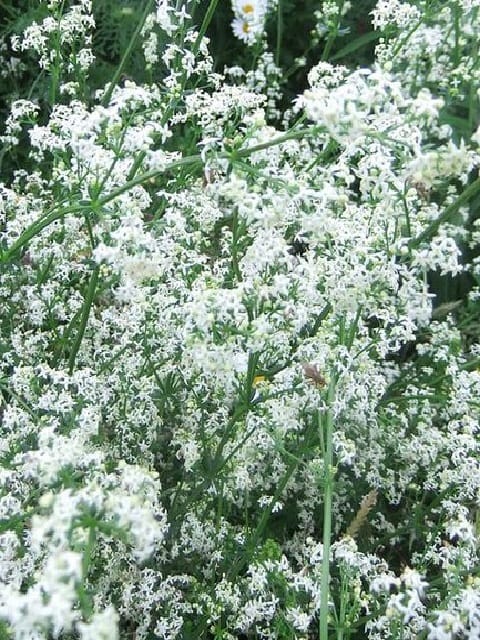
(235, 401)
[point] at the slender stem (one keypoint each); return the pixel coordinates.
(279, 33)
(329, 473)
(267, 512)
(206, 21)
(333, 34)
(38, 226)
(239, 562)
(119, 70)
(456, 50)
(234, 247)
(8, 9)
(55, 69)
(92, 286)
(343, 606)
(183, 82)
(470, 192)
(85, 599)
(321, 434)
(401, 43)
(294, 134)
(472, 98)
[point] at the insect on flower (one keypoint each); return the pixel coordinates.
(311, 372)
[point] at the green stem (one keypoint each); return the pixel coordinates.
(116, 76)
(55, 69)
(242, 558)
(456, 50)
(333, 34)
(342, 614)
(470, 192)
(234, 248)
(203, 29)
(294, 134)
(92, 286)
(267, 512)
(149, 175)
(327, 509)
(85, 599)
(401, 43)
(279, 33)
(8, 9)
(38, 226)
(472, 99)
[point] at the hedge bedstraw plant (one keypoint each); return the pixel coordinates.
(231, 405)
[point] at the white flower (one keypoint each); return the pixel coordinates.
(447, 626)
(103, 625)
(299, 619)
(246, 31)
(249, 19)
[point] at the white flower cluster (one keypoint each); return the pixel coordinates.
(69, 30)
(425, 49)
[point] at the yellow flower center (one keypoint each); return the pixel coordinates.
(248, 8)
(245, 27)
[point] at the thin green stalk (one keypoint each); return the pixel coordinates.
(87, 305)
(88, 550)
(333, 33)
(204, 26)
(327, 426)
(63, 340)
(85, 599)
(267, 512)
(43, 273)
(472, 99)
(241, 558)
(149, 175)
(8, 9)
(18, 399)
(321, 435)
(402, 43)
(36, 227)
(216, 467)
(470, 192)
(279, 33)
(234, 248)
(456, 50)
(293, 134)
(116, 76)
(342, 615)
(55, 69)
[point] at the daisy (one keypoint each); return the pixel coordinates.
(249, 19)
(244, 30)
(249, 10)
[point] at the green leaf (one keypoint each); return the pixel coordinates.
(459, 125)
(358, 43)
